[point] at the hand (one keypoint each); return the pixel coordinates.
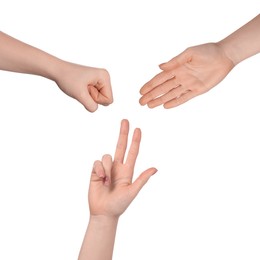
(191, 73)
(111, 188)
(90, 86)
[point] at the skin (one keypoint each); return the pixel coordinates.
(111, 191)
(90, 86)
(199, 68)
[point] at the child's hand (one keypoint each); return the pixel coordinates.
(90, 86)
(193, 72)
(111, 188)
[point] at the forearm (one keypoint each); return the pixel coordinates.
(98, 243)
(20, 57)
(244, 42)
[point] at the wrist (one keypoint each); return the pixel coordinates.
(229, 51)
(55, 69)
(244, 42)
(104, 220)
(103, 224)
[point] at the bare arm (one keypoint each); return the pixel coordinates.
(90, 86)
(111, 191)
(244, 42)
(98, 243)
(20, 57)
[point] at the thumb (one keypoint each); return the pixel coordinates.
(142, 180)
(175, 62)
(100, 97)
(87, 101)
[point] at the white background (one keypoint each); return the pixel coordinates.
(204, 201)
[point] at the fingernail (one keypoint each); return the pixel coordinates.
(101, 174)
(155, 171)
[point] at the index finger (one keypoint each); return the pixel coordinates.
(156, 81)
(122, 141)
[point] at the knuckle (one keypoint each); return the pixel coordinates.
(104, 73)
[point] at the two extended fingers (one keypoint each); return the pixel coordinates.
(122, 144)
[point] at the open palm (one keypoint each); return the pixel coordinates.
(191, 73)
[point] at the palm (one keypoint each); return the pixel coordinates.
(208, 66)
(104, 200)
